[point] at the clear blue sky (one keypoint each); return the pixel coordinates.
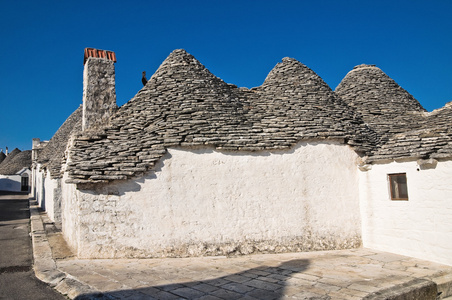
(42, 44)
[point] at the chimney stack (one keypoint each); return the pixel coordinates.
(99, 95)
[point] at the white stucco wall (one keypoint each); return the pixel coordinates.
(10, 183)
(39, 181)
(52, 198)
(70, 212)
(420, 227)
(13, 183)
(206, 202)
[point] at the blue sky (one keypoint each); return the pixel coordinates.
(42, 44)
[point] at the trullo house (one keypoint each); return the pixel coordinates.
(194, 166)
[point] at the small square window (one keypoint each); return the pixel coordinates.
(398, 186)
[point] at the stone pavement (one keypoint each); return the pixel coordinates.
(343, 274)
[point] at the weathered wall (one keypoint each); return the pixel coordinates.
(420, 227)
(99, 95)
(53, 198)
(39, 181)
(205, 202)
(70, 212)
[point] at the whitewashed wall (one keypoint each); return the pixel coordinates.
(420, 227)
(39, 181)
(52, 198)
(13, 183)
(70, 212)
(10, 183)
(206, 202)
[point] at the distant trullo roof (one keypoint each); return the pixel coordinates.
(10, 156)
(53, 154)
(15, 161)
(183, 104)
(2, 156)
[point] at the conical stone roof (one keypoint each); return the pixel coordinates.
(383, 104)
(304, 101)
(16, 162)
(430, 138)
(183, 104)
(2, 156)
(9, 157)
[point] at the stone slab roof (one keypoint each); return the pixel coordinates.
(15, 161)
(2, 156)
(184, 105)
(383, 104)
(53, 155)
(404, 129)
(430, 138)
(9, 157)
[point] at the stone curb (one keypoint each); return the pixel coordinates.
(414, 289)
(45, 267)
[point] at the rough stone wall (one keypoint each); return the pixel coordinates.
(420, 227)
(208, 202)
(99, 94)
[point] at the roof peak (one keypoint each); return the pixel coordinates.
(363, 66)
(292, 70)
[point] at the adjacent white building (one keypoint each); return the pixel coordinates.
(15, 171)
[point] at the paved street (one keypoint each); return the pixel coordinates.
(345, 274)
(17, 278)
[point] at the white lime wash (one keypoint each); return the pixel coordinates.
(420, 227)
(207, 202)
(194, 166)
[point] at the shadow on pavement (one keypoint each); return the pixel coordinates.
(257, 283)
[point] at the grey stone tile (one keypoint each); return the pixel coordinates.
(265, 294)
(208, 297)
(205, 288)
(262, 284)
(217, 282)
(188, 293)
(226, 294)
(237, 278)
(238, 287)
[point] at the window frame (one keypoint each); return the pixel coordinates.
(391, 181)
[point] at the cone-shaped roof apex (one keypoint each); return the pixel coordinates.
(383, 104)
(290, 70)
